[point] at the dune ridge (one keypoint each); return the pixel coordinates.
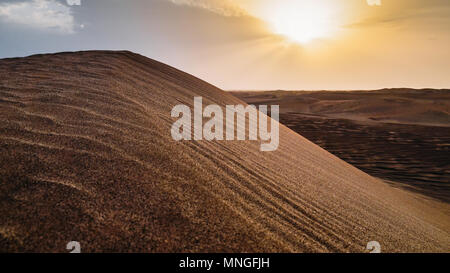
(87, 155)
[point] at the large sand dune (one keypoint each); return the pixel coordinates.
(87, 155)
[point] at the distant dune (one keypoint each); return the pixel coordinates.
(411, 106)
(87, 155)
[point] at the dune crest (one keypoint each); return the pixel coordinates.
(87, 155)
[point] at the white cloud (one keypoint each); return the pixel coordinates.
(39, 14)
(224, 7)
(374, 2)
(73, 2)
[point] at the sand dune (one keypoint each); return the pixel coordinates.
(87, 155)
(407, 106)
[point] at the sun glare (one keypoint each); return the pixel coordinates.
(302, 21)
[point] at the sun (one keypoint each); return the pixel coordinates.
(302, 21)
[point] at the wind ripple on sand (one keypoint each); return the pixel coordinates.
(86, 154)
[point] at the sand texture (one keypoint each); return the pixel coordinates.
(391, 134)
(86, 155)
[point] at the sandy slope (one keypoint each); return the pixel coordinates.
(86, 155)
(385, 133)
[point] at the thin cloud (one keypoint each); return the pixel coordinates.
(73, 2)
(223, 7)
(374, 2)
(39, 14)
(397, 17)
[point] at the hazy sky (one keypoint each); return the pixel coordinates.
(250, 44)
